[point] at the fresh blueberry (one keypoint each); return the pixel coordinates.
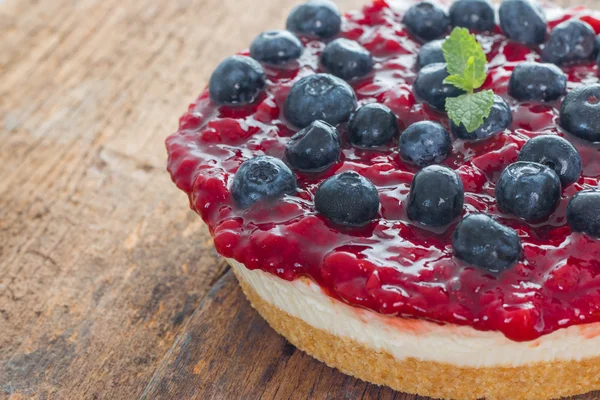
(475, 15)
(430, 86)
(276, 47)
(237, 80)
(315, 19)
(424, 143)
(531, 81)
(347, 59)
(261, 178)
(583, 212)
(481, 241)
(596, 47)
(347, 199)
(431, 53)
(426, 21)
(528, 190)
(556, 153)
(570, 41)
(523, 21)
(372, 125)
(499, 119)
(580, 110)
(436, 196)
(319, 96)
(314, 148)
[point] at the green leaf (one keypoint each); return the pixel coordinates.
(470, 109)
(465, 59)
(459, 82)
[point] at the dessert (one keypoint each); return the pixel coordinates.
(409, 203)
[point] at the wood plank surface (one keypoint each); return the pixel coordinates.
(104, 272)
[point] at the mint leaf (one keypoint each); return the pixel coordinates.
(465, 59)
(459, 82)
(470, 109)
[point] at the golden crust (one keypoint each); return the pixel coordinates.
(545, 380)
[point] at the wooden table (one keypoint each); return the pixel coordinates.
(109, 287)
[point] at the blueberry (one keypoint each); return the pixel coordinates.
(522, 21)
(315, 19)
(580, 110)
(596, 47)
(347, 59)
(372, 125)
(500, 118)
(314, 148)
(475, 15)
(481, 241)
(556, 153)
(261, 178)
(237, 80)
(424, 143)
(583, 212)
(430, 87)
(347, 199)
(431, 53)
(276, 47)
(426, 21)
(570, 41)
(531, 81)
(528, 190)
(436, 196)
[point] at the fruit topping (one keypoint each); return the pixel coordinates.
(580, 111)
(276, 47)
(430, 87)
(424, 143)
(314, 148)
(583, 212)
(554, 152)
(315, 19)
(499, 119)
(523, 21)
(237, 80)
(475, 15)
(372, 125)
(531, 81)
(426, 21)
(347, 59)
(570, 41)
(431, 53)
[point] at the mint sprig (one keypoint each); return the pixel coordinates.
(465, 62)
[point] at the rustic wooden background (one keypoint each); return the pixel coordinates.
(109, 285)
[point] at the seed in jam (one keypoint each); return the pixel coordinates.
(314, 148)
(531, 81)
(372, 125)
(346, 59)
(528, 190)
(347, 199)
(430, 87)
(554, 152)
(276, 47)
(570, 41)
(319, 97)
(426, 21)
(523, 21)
(580, 110)
(436, 196)
(424, 143)
(315, 19)
(482, 241)
(261, 178)
(431, 53)
(583, 212)
(475, 15)
(237, 80)
(499, 119)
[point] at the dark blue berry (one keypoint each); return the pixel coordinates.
(481, 241)
(431, 53)
(475, 15)
(261, 178)
(556, 153)
(580, 111)
(430, 86)
(426, 21)
(436, 196)
(237, 80)
(500, 118)
(531, 81)
(347, 199)
(319, 96)
(347, 59)
(570, 41)
(315, 19)
(424, 143)
(596, 47)
(314, 148)
(276, 47)
(522, 21)
(372, 125)
(528, 190)
(583, 212)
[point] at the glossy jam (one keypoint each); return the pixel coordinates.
(392, 266)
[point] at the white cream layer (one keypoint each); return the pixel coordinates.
(422, 340)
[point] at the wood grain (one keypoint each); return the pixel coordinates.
(101, 264)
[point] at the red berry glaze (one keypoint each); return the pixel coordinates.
(392, 266)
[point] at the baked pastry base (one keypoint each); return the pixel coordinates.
(544, 380)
